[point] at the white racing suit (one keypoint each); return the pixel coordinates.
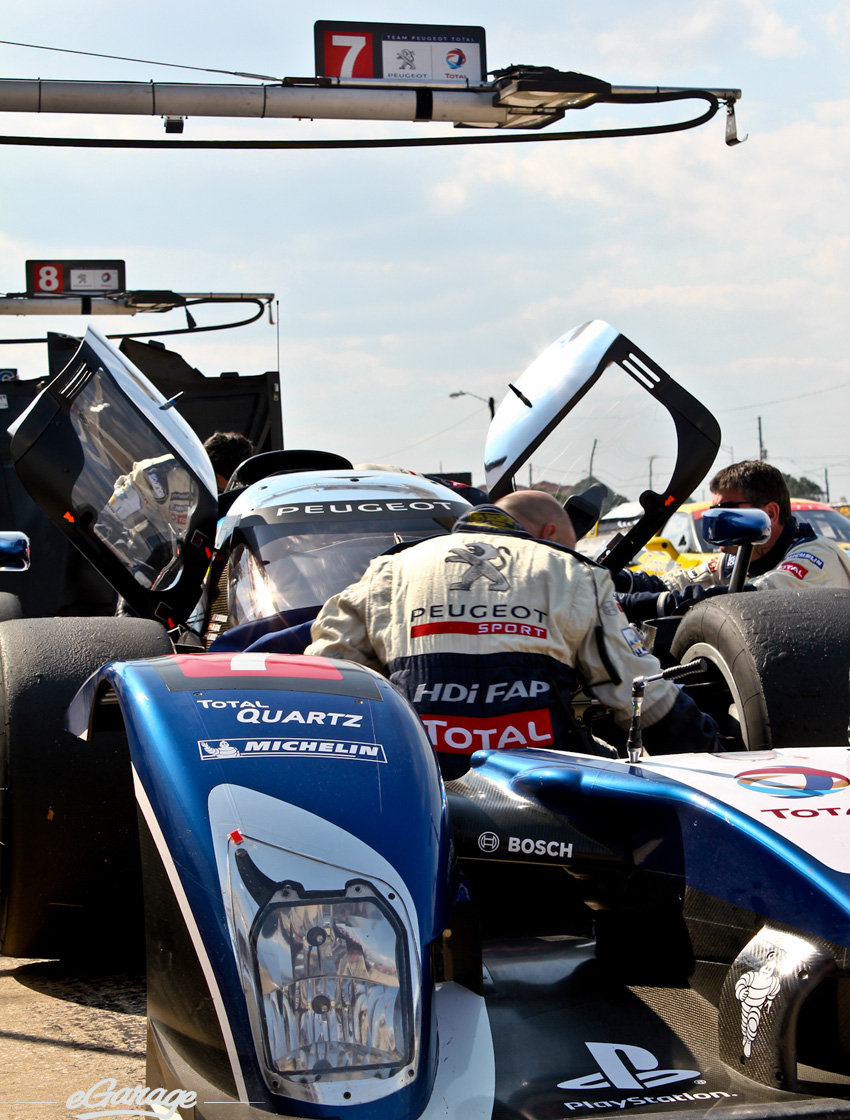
(799, 558)
(488, 632)
(147, 515)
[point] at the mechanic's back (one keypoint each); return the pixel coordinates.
(489, 632)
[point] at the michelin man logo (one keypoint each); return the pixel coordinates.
(484, 562)
(223, 750)
(756, 991)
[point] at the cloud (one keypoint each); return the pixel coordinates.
(771, 36)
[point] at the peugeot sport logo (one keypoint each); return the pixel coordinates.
(488, 842)
(626, 1067)
(792, 781)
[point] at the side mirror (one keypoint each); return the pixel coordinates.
(735, 526)
(742, 527)
(14, 552)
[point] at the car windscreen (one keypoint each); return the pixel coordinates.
(285, 568)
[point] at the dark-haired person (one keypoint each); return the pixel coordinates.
(793, 556)
(227, 451)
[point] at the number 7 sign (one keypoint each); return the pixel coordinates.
(347, 55)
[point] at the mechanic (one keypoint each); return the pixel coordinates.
(489, 631)
(793, 556)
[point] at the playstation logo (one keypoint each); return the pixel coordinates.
(642, 1071)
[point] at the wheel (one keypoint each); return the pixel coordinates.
(778, 666)
(10, 606)
(69, 876)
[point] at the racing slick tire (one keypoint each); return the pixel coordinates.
(10, 606)
(70, 883)
(778, 666)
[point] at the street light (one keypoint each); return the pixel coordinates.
(489, 401)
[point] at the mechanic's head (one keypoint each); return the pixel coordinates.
(227, 450)
(757, 485)
(541, 515)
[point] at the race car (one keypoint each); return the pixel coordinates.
(331, 930)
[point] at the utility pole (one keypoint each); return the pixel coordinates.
(592, 453)
(762, 448)
(826, 482)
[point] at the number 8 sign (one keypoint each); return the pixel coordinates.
(46, 278)
(70, 278)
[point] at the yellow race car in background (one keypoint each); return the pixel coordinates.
(681, 541)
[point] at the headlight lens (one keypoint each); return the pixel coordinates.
(331, 977)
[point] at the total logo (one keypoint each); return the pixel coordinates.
(792, 781)
(455, 59)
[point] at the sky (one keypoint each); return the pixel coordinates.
(403, 276)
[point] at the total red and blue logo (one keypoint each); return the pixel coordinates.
(455, 59)
(792, 781)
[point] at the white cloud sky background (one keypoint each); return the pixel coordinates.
(405, 275)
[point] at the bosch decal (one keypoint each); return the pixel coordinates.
(219, 749)
(460, 735)
(557, 849)
(489, 842)
(792, 781)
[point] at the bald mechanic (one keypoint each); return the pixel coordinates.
(794, 556)
(489, 631)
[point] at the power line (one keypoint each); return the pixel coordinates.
(784, 400)
(142, 61)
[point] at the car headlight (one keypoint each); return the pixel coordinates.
(329, 976)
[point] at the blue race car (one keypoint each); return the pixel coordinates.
(332, 931)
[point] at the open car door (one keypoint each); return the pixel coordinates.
(116, 467)
(557, 381)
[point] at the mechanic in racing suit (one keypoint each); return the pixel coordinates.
(794, 555)
(489, 630)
